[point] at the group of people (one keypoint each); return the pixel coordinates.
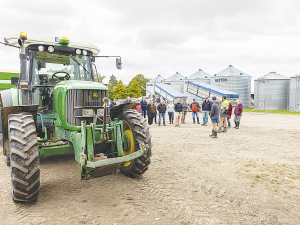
(219, 111)
(220, 114)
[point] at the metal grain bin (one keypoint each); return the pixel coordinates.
(294, 95)
(236, 81)
(271, 92)
(199, 76)
(150, 85)
(176, 82)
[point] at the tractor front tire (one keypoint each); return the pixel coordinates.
(24, 157)
(134, 123)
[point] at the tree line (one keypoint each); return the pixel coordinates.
(116, 88)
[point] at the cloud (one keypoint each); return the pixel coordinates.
(163, 37)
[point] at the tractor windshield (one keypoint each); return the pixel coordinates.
(50, 68)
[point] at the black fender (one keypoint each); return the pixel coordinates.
(5, 111)
(116, 109)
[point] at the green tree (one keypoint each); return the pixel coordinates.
(111, 92)
(99, 78)
(120, 91)
(134, 90)
(142, 82)
(113, 80)
(111, 86)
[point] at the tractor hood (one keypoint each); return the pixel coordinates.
(78, 84)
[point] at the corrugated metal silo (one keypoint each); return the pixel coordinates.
(151, 83)
(294, 103)
(271, 92)
(199, 76)
(176, 81)
(236, 81)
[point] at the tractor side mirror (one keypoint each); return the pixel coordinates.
(14, 80)
(118, 63)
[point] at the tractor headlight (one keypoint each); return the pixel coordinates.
(88, 112)
(41, 48)
(84, 52)
(100, 112)
(78, 51)
(51, 49)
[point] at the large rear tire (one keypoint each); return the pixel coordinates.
(135, 126)
(24, 157)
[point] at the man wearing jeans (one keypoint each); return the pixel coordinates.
(144, 107)
(214, 115)
(206, 105)
(195, 108)
(162, 112)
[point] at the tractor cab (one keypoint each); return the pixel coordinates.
(51, 61)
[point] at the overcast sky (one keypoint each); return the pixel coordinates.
(165, 37)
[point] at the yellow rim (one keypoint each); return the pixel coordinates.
(129, 134)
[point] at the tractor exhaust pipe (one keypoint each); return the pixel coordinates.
(105, 100)
(23, 81)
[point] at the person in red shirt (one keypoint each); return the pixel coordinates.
(138, 107)
(195, 108)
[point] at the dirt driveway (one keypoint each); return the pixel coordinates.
(246, 176)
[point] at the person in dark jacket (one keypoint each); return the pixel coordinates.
(112, 104)
(144, 107)
(150, 112)
(161, 108)
(238, 114)
(195, 107)
(214, 115)
(228, 116)
(178, 111)
(206, 105)
(155, 110)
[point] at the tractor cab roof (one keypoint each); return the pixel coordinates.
(13, 40)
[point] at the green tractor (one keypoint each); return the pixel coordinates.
(57, 108)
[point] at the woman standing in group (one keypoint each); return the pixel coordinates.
(238, 114)
(144, 107)
(184, 110)
(228, 116)
(170, 109)
(150, 112)
(178, 111)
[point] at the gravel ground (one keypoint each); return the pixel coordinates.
(246, 176)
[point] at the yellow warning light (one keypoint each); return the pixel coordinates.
(23, 35)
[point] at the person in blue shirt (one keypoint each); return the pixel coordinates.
(144, 107)
(178, 111)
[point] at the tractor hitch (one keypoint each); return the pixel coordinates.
(104, 167)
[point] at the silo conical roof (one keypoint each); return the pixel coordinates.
(176, 77)
(231, 71)
(297, 75)
(273, 76)
(159, 78)
(200, 74)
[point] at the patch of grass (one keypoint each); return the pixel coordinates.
(270, 111)
(279, 176)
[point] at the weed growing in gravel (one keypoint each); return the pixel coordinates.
(283, 176)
